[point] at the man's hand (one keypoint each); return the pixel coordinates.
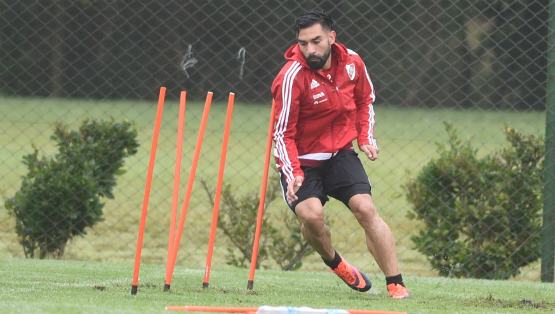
(292, 188)
(371, 151)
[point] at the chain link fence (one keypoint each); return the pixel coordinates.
(478, 65)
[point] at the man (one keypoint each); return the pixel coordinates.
(323, 98)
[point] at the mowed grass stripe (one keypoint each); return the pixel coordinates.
(63, 287)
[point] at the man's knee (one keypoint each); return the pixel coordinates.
(363, 207)
(310, 212)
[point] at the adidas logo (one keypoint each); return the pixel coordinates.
(314, 84)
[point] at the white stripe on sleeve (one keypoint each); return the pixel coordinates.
(283, 119)
(371, 113)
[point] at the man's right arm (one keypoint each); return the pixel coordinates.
(292, 187)
(286, 91)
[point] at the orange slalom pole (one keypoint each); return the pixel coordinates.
(218, 191)
(192, 308)
(146, 197)
(177, 175)
(254, 256)
(188, 191)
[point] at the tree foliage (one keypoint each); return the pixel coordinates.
(61, 195)
(490, 54)
(481, 216)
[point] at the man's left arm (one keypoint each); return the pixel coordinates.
(364, 96)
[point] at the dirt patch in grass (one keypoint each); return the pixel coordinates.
(491, 301)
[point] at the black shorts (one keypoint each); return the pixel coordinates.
(340, 177)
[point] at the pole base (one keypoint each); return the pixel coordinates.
(205, 285)
(166, 287)
(250, 284)
(133, 289)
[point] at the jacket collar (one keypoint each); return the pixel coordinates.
(294, 53)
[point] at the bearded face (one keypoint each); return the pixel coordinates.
(315, 44)
(317, 62)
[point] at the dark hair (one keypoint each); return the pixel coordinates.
(312, 17)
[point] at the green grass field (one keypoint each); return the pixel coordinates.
(406, 138)
(69, 287)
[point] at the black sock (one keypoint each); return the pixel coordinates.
(395, 279)
(334, 262)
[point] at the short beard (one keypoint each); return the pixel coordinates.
(320, 61)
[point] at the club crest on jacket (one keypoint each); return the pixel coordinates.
(351, 71)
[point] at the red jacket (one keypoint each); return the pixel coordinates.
(316, 118)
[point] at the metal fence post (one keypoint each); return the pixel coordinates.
(548, 228)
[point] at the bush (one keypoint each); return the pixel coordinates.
(60, 196)
(237, 219)
(481, 216)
